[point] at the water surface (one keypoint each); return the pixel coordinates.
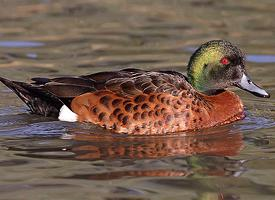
(41, 158)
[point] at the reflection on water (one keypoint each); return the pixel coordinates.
(122, 157)
(41, 158)
(106, 147)
(109, 147)
(98, 147)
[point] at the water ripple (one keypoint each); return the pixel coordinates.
(20, 44)
(260, 58)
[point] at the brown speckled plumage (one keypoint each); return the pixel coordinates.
(170, 105)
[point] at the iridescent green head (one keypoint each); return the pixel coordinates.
(217, 65)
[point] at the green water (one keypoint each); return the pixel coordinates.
(47, 159)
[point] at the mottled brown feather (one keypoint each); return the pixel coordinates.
(163, 119)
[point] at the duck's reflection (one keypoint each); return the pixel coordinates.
(205, 154)
(188, 156)
(95, 147)
(174, 161)
(133, 173)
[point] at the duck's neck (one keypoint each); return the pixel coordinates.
(226, 107)
(202, 89)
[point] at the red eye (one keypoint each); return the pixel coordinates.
(224, 61)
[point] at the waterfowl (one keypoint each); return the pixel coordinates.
(140, 102)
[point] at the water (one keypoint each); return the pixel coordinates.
(47, 159)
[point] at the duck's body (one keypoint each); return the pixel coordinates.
(136, 101)
(132, 101)
(136, 105)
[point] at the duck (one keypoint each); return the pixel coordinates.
(141, 102)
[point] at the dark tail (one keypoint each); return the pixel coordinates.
(39, 100)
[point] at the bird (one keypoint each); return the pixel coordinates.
(142, 102)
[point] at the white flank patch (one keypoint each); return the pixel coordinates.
(65, 114)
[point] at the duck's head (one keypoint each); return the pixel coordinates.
(217, 65)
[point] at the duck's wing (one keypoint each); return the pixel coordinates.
(126, 83)
(132, 82)
(68, 87)
(65, 87)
